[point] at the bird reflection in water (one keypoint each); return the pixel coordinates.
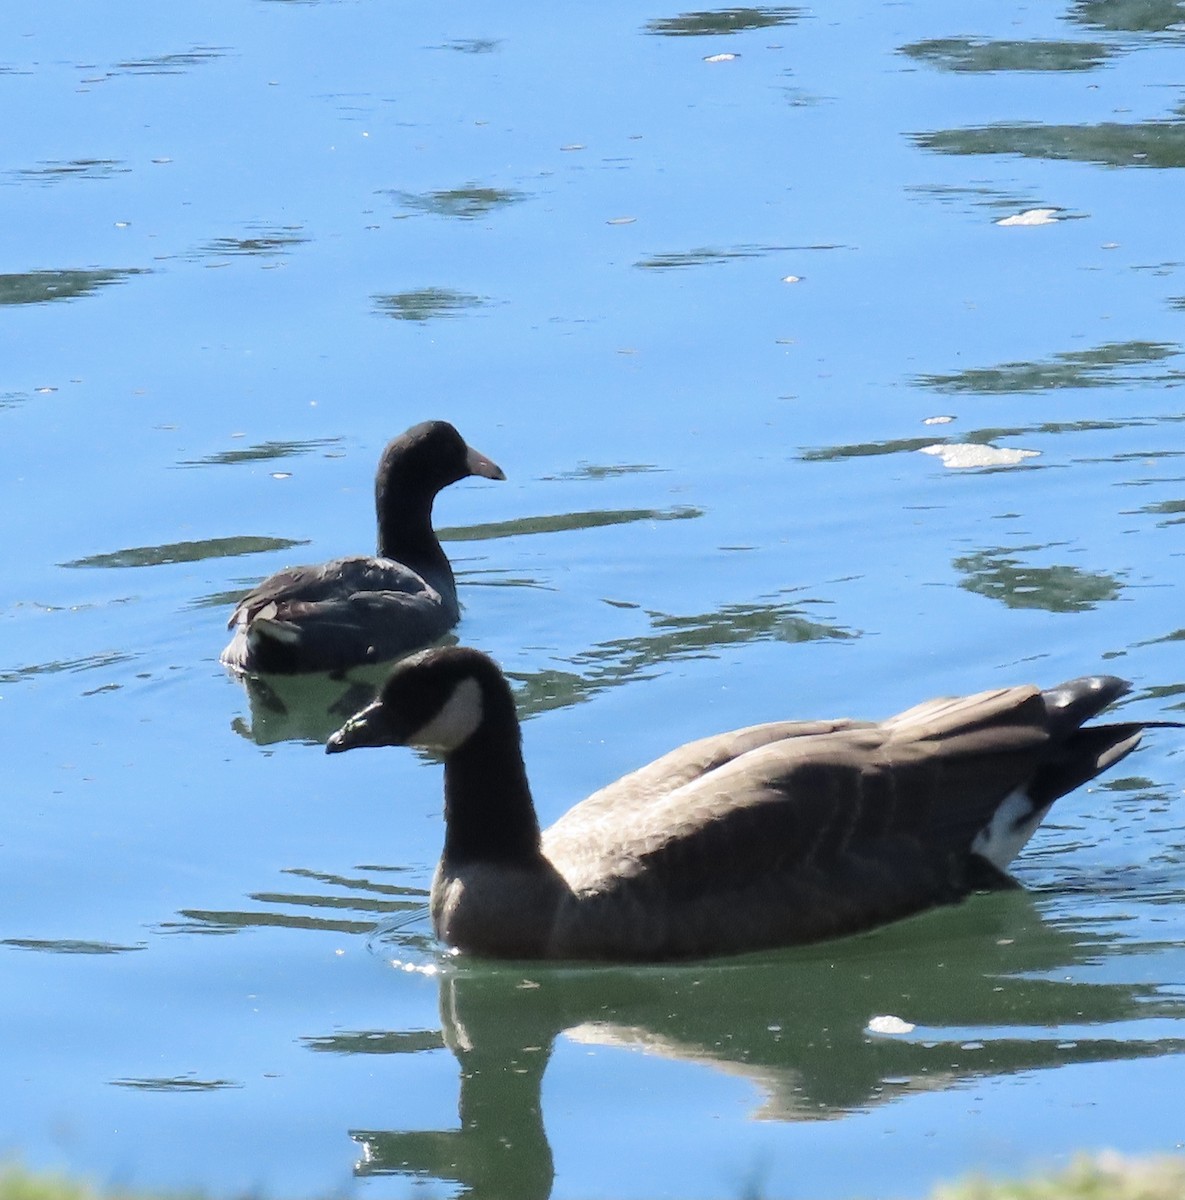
(990, 988)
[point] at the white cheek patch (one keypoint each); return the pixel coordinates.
(1011, 826)
(457, 719)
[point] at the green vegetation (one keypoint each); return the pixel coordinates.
(16, 1184)
(1100, 1177)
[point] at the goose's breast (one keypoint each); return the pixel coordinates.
(496, 910)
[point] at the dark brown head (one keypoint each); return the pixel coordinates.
(428, 457)
(413, 468)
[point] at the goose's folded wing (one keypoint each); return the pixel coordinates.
(288, 593)
(366, 627)
(649, 784)
(885, 799)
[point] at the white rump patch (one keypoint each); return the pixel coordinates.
(1011, 826)
(458, 718)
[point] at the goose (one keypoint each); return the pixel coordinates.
(768, 836)
(359, 610)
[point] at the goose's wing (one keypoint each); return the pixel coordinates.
(646, 786)
(857, 823)
(347, 612)
(802, 838)
(295, 591)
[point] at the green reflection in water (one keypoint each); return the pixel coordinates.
(1167, 691)
(473, 45)
(988, 435)
(722, 21)
(267, 241)
(991, 990)
(306, 708)
(1099, 366)
(497, 577)
(984, 197)
(376, 1041)
(39, 287)
(1000, 575)
(709, 255)
(204, 920)
(183, 552)
(1134, 16)
(983, 54)
(1141, 456)
(371, 904)
(1110, 143)
(734, 623)
(673, 638)
(169, 64)
(801, 98)
(207, 920)
(593, 471)
(69, 946)
(868, 449)
(261, 452)
(1003, 206)
(175, 1083)
(426, 304)
(1149, 791)
(563, 523)
(465, 202)
(1174, 509)
(59, 666)
(226, 599)
(79, 168)
(1177, 635)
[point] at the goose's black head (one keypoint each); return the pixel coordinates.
(426, 458)
(436, 700)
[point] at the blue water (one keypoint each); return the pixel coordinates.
(704, 311)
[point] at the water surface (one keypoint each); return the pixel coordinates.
(834, 357)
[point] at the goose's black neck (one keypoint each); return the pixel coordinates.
(488, 812)
(406, 534)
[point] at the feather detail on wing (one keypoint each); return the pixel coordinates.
(789, 796)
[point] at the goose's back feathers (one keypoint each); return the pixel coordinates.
(325, 582)
(794, 832)
(766, 836)
(357, 610)
(867, 777)
(344, 612)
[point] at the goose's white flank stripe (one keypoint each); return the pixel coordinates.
(1011, 826)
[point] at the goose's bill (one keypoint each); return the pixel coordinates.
(370, 727)
(478, 464)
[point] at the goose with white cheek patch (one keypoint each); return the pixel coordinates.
(767, 836)
(359, 610)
